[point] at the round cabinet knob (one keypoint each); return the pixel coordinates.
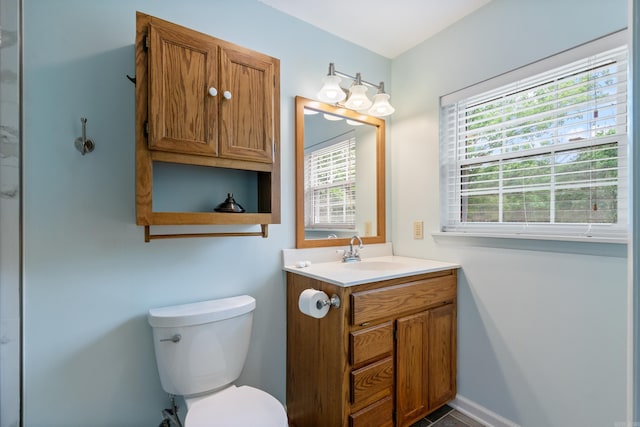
(226, 94)
(213, 91)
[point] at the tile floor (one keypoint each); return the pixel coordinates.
(447, 417)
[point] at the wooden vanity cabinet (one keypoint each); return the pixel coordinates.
(386, 357)
(206, 102)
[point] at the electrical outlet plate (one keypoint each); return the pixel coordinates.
(418, 230)
(367, 228)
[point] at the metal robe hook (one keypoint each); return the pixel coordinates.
(84, 145)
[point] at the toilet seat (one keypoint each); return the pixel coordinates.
(236, 407)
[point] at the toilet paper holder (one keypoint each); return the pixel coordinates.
(334, 301)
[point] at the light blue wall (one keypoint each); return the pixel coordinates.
(89, 278)
(542, 325)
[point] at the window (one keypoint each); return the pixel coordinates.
(330, 184)
(543, 155)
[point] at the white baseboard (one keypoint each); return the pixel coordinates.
(480, 413)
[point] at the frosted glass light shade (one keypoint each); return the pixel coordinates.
(358, 99)
(381, 106)
(332, 117)
(331, 91)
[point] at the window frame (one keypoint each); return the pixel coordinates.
(450, 163)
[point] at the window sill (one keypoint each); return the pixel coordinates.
(557, 238)
(598, 246)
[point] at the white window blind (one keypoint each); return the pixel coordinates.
(544, 155)
(330, 184)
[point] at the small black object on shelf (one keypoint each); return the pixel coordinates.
(229, 205)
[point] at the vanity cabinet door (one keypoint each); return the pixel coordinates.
(412, 376)
(425, 363)
(442, 355)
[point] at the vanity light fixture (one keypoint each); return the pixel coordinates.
(355, 98)
(381, 106)
(358, 99)
(331, 91)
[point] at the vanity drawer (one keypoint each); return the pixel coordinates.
(390, 301)
(371, 344)
(372, 380)
(379, 414)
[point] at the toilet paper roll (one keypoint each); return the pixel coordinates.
(308, 303)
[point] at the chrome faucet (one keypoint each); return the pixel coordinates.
(353, 254)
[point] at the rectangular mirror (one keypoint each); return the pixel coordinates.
(340, 175)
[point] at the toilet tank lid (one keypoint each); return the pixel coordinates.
(201, 312)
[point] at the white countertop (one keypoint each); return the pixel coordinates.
(368, 270)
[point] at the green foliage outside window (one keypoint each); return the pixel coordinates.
(572, 171)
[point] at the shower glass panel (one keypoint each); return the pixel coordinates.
(10, 235)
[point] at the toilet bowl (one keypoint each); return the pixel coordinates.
(236, 406)
(200, 351)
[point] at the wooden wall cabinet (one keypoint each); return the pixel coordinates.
(204, 101)
(386, 357)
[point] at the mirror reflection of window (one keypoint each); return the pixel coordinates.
(339, 156)
(330, 184)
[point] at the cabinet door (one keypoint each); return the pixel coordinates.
(412, 347)
(442, 355)
(247, 129)
(182, 113)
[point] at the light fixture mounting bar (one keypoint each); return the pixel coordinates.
(347, 76)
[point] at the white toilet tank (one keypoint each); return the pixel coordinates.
(201, 347)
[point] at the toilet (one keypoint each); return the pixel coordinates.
(200, 351)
